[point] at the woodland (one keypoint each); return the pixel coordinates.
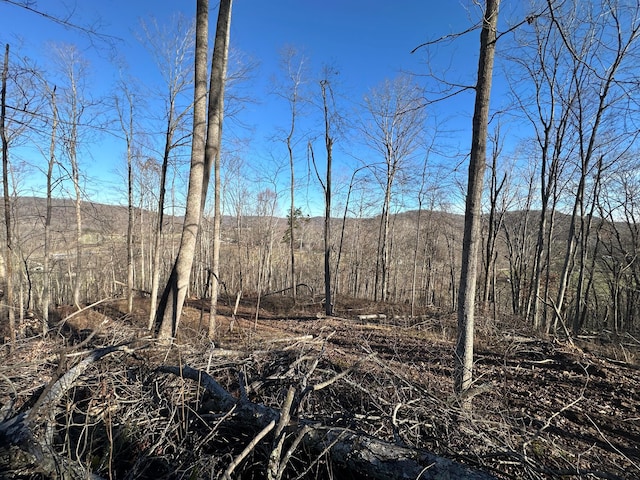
(209, 327)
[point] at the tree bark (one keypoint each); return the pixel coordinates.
(463, 374)
(175, 292)
(46, 274)
(205, 150)
(214, 144)
(328, 301)
(8, 257)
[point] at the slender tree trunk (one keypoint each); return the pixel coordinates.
(72, 145)
(494, 221)
(8, 257)
(292, 213)
(46, 274)
(384, 255)
(328, 141)
(175, 292)
(127, 129)
(463, 375)
(293, 98)
(414, 270)
(214, 144)
(157, 234)
(381, 281)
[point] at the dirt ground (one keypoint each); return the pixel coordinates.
(542, 408)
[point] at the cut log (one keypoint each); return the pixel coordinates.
(375, 316)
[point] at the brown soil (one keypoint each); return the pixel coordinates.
(542, 408)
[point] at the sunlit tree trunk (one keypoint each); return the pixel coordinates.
(175, 292)
(126, 124)
(8, 257)
(73, 67)
(393, 129)
(214, 144)
(170, 50)
(295, 77)
(174, 295)
(46, 274)
(463, 374)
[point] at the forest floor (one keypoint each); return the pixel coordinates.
(543, 408)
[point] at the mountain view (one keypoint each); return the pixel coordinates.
(290, 240)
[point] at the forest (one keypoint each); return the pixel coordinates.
(425, 311)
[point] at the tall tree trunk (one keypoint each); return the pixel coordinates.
(343, 227)
(295, 76)
(494, 223)
(204, 151)
(463, 374)
(8, 257)
(175, 292)
(292, 210)
(72, 145)
(127, 130)
(214, 144)
(157, 234)
(46, 274)
(328, 140)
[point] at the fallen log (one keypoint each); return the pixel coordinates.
(361, 454)
(26, 439)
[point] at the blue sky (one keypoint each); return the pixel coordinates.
(367, 41)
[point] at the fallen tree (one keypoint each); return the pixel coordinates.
(362, 455)
(26, 439)
(29, 440)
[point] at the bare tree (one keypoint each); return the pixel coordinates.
(8, 252)
(19, 94)
(393, 128)
(171, 49)
(72, 111)
(463, 375)
(172, 301)
(328, 108)
(328, 139)
(494, 221)
(599, 52)
(125, 117)
(294, 69)
(214, 143)
(46, 271)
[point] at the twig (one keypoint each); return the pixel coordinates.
(326, 383)
(292, 448)
(558, 314)
(236, 461)
(276, 452)
(335, 378)
(326, 450)
(610, 444)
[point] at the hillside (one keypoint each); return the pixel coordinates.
(361, 391)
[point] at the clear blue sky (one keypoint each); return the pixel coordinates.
(366, 40)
